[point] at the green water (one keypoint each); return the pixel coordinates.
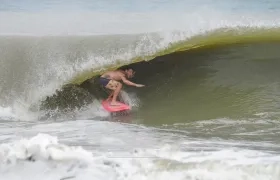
(236, 82)
(217, 38)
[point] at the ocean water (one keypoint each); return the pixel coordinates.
(209, 110)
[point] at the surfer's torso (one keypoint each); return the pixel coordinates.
(113, 75)
(111, 79)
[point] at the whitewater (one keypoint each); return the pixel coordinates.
(209, 111)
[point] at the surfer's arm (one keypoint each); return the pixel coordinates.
(131, 83)
(128, 82)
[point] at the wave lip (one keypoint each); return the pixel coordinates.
(168, 43)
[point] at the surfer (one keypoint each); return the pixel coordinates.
(111, 79)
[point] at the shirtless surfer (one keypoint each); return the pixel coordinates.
(111, 80)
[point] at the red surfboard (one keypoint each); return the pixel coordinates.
(122, 107)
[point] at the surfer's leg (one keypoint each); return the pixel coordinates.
(116, 87)
(110, 95)
(115, 95)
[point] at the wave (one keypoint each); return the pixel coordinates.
(51, 63)
(219, 37)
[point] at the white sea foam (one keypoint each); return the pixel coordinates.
(43, 157)
(6, 113)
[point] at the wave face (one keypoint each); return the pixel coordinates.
(33, 68)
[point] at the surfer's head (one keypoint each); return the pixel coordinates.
(129, 73)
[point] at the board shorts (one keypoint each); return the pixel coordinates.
(109, 83)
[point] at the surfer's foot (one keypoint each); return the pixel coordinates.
(115, 104)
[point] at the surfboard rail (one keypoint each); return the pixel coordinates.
(122, 107)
